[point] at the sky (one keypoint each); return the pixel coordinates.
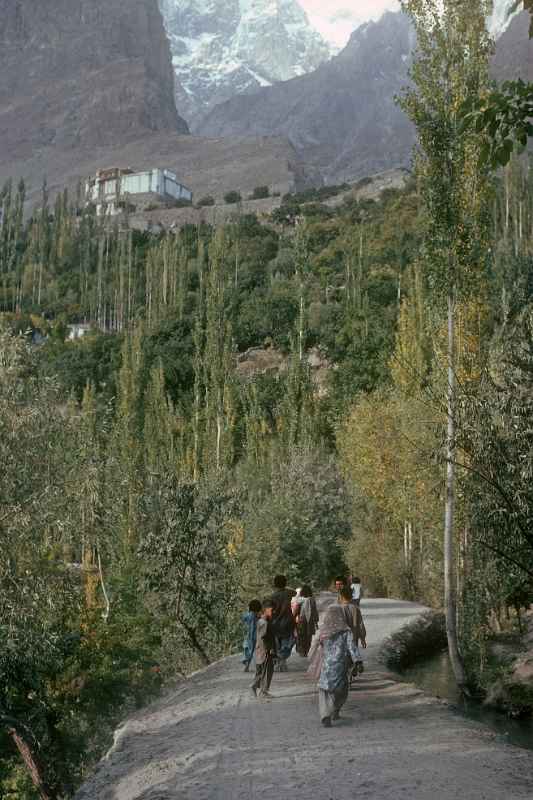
(336, 19)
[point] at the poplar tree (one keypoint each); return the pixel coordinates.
(218, 358)
(450, 69)
(198, 368)
(411, 360)
(297, 418)
(301, 268)
(127, 437)
(159, 427)
(90, 500)
(43, 239)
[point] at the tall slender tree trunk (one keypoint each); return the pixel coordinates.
(450, 598)
(301, 323)
(237, 260)
(21, 740)
(39, 291)
(196, 434)
(219, 439)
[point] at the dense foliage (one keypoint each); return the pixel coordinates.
(153, 485)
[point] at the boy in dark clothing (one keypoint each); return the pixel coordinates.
(283, 622)
(265, 652)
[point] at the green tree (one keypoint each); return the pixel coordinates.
(188, 570)
(37, 594)
(450, 69)
(503, 116)
(217, 360)
(128, 443)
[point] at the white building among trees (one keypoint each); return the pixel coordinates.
(116, 190)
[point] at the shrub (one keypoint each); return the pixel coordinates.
(260, 193)
(316, 194)
(232, 197)
(182, 203)
(421, 638)
(362, 182)
(513, 697)
(317, 211)
(285, 214)
(129, 208)
(206, 201)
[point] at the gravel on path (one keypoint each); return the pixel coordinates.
(211, 740)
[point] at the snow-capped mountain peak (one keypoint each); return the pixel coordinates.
(221, 48)
(502, 14)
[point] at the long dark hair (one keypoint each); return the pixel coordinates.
(345, 593)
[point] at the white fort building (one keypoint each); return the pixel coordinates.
(116, 190)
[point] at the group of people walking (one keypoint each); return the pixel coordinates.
(274, 627)
(289, 619)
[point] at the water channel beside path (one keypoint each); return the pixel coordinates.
(435, 677)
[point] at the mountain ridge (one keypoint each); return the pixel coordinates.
(347, 104)
(513, 57)
(343, 119)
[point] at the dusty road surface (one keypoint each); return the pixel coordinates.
(211, 740)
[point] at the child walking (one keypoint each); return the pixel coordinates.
(357, 626)
(249, 619)
(265, 652)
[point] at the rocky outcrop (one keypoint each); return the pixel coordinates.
(82, 73)
(270, 361)
(512, 690)
(514, 51)
(223, 48)
(206, 166)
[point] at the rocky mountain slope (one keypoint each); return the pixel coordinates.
(223, 48)
(514, 51)
(81, 73)
(342, 118)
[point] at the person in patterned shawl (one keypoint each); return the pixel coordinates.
(339, 653)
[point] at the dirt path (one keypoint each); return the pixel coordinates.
(211, 740)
